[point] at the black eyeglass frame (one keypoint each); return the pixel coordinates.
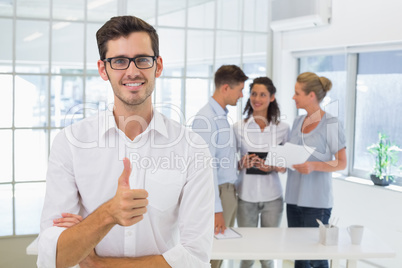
(154, 58)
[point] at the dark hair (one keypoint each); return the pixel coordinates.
(320, 85)
(273, 113)
(229, 74)
(120, 26)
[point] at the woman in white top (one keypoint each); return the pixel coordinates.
(259, 188)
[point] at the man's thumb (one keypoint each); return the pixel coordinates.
(124, 180)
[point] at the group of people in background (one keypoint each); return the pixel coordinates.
(257, 192)
(103, 210)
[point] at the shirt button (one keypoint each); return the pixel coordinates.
(129, 233)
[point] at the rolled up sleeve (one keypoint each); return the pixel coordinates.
(47, 247)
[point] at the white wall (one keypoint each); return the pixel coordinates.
(377, 208)
(354, 23)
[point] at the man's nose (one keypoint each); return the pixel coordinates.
(132, 68)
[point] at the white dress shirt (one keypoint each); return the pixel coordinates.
(84, 166)
(250, 138)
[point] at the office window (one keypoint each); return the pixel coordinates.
(6, 27)
(39, 9)
(30, 100)
(172, 15)
(32, 46)
(171, 48)
(67, 48)
(6, 209)
(200, 49)
(201, 15)
(68, 10)
(254, 59)
(6, 100)
(66, 94)
(49, 76)
(256, 19)
(6, 141)
(230, 14)
(378, 104)
(198, 92)
(168, 97)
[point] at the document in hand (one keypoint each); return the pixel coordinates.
(288, 155)
(228, 234)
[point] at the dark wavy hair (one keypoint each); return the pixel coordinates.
(273, 113)
(120, 26)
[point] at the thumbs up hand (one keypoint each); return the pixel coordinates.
(124, 179)
(127, 207)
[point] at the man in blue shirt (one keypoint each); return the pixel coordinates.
(212, 124)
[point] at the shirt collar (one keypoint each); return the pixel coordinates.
(158, 123)
(251, 119)
(108, 122)
(217, 107)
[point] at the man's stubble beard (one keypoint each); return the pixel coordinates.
(135, 102)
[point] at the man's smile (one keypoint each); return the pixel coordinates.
(137, 84)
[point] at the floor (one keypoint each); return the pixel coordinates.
(236, 264)
(290, 264)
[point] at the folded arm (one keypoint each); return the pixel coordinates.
(126, 208)
(69, 220)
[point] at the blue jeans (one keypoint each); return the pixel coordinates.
(306, 217)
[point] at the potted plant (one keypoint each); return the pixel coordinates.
(386, 155)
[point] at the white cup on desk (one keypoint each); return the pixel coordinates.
(356, 233)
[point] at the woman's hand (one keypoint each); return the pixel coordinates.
(260, 164)
(305, 168)
(247, 161)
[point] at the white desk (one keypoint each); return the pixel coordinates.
(298, 244)
(291, 244)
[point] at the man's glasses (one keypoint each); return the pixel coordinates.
(122, 63)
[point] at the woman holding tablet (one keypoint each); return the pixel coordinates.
(259, 188)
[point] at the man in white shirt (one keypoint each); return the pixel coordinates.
(158, 210)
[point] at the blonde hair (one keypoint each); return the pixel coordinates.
(320, 85)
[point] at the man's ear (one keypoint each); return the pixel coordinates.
(102, 70)
(225, 88)
(159, 66)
